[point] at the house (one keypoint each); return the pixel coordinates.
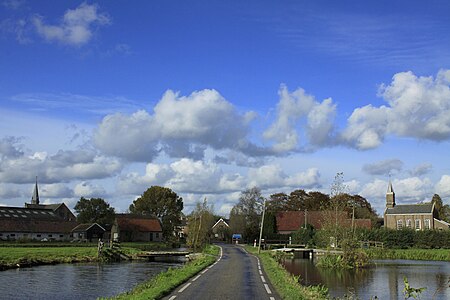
(290, 221)
(90, 232)
(415, 216)
(34, 224)
(136, 228)
(37, 221)
(221, 229)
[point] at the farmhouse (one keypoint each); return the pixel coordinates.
(89, 232)
(221, 229)
(415, 216)
(136, 228)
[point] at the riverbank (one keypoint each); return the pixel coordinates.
(162, 284)
(410, 254)
(287, 285)
(34, 254)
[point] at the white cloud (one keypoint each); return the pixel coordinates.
(9, 191)
(421, 169)
(418, 107)
(88, 190)
(179, 126)
(63, 166)
(55, 190)
(296, 108)
(383, 167)
(443, 186)
(270, 176)
(76, 27)
(183, 176)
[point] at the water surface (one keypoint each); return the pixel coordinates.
(77, 281)
(384, 279)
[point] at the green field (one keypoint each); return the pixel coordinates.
(413, 254)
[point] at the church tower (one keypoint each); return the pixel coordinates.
(35, 197)
(390, 196)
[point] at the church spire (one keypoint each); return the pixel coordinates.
(390, 196)
(35, 197)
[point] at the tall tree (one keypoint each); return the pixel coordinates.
(247, 212)
(200, 223)
(162, 203)
(443, 210)
(94, 210)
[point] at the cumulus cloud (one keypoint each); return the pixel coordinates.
(443, 186)
(383, 167)
(179, 126)
(421, 169)
(296, 109)
(88, 190)
(65, 165)
(55, 190)
(9, 147)
(270, 176)
(417, 107)
(76, 27)
(183, 176)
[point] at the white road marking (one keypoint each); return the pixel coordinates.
(263, 279)
(260, 272)
(204, 271)
(196, 277)
(186, 286)
(173, 297)
(267, 288)
(272, 298)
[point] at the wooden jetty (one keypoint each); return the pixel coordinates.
(165, 254)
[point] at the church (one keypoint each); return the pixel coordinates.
(422, 216)
(36, 221)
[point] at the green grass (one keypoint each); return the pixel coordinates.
(286, 284)
(10, 256)
(413, 254)
(162, 284)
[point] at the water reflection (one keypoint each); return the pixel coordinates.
(77, 281)
(384, 279)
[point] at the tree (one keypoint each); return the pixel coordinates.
(200, 223)
(94, 210)
(162, 203)
(443, 210)
(246, 215)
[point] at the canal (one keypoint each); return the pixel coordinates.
(384, 279)
(77, 281)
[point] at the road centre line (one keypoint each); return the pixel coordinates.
(173, 297)
(263, 279)
(272, 298)
(198, 276)
(260, 272)
(184, 287)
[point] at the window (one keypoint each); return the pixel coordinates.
(38, 235)
(427, 224)
(409, 223)
(399, 224)
(50, 235)
(13, 234)
(157, 235)
(61, 235)
(417, 224)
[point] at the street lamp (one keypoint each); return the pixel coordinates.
(262, 225)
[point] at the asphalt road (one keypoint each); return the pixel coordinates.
(236, 275)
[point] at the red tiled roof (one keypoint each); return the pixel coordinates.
(138, 223)
(37, 226)
(293, 220)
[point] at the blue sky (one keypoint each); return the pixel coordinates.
(106, 98)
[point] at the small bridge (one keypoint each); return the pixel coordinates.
(154, 254)
(308, 253)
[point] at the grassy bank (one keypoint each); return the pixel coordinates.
(286, 284)
(162, 284)
(413, 254)
(11, 257)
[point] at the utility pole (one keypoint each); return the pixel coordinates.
(262, 225)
